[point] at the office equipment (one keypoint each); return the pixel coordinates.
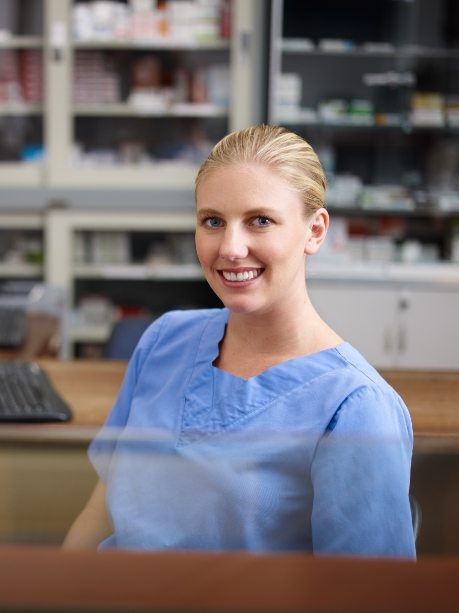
(31, 320)
(26, 394)
(12, 326)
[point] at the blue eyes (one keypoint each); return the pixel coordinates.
(260, 221)
(213, 222)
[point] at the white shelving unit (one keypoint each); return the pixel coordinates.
(61, 168)
(61, 269)
(61, 172)
(68, 170)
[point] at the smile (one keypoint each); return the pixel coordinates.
(246, 275)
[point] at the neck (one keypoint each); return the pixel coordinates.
(287, 330)
(264, 331)
(255, 342)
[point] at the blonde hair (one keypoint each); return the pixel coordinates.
(278, 148)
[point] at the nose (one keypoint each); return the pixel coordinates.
(234, 244)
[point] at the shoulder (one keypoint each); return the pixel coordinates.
(171, 340)
(186, 323)
(177, 333)
(369, 403)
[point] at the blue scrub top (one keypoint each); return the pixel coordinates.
(312, 454)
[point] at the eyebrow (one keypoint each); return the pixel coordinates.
(207, 213)
(250, 213)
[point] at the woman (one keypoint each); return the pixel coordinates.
(255, 426)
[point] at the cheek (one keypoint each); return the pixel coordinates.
(204, 248)
(286, 246)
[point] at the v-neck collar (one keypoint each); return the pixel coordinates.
(216, 400)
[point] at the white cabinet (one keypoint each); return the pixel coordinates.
(364, 314)
(428, 330)
(394, 325)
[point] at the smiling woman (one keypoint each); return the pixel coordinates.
(255, 426)
(250, 220)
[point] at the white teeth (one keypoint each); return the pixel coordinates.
(240, 276)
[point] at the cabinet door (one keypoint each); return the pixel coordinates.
(428, 331)
(364, 315)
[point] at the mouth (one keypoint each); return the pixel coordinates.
(241, 276)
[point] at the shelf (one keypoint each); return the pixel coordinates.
(298, 46)
(21, 221)
(21, 174)
(153, 45)
(402, 127)
(159, 175)
(131, 110)
(21, 42)
(173, 272)
(23, 271)
(444, 275)
(359, 211)
(20, 109)
(89, 333)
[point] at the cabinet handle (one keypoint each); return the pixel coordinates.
(404, 302)
(401, 339)
(387, 341)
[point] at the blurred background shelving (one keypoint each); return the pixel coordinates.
(375, 88)
(108, 108)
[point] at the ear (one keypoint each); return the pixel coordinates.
(316, 231)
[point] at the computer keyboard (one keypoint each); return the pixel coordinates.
(27, 395)
(12, 326)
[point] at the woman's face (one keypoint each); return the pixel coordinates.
(252, 237)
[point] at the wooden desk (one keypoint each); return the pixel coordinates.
(90, 387)
(432, 399)
(46, 579)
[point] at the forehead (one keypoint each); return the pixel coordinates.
(248, 182)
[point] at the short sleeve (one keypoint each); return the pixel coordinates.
(361, 476)
(101, 448)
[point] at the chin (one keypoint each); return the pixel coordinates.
(240, 306)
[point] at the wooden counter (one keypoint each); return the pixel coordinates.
(91, 387)
(49, 580)
(432, 399)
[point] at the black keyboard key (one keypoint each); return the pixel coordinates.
(26, 394)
